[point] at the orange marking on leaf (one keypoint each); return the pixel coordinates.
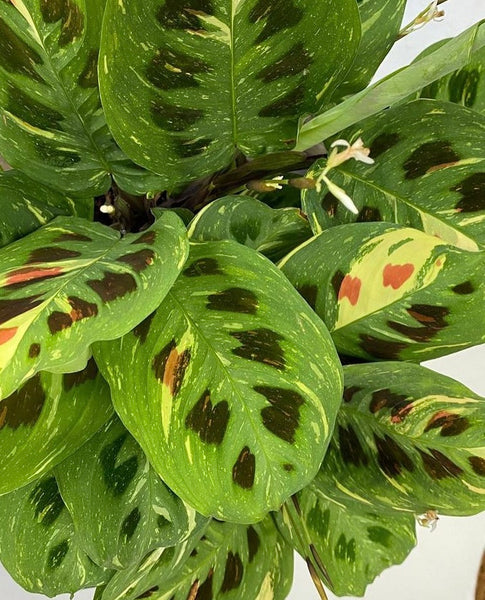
(170, 369)
(31, 273)
(350, 288)
(396, 275)
(7, 334)
(439, 262)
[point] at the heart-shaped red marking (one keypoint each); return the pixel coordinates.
(7, 334)
(397, 275)
(350, 288)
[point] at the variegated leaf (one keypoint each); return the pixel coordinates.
(429, 173)
(391, 90)
(251, 223)
(466, 86)
(48, 419)
(52, 125)
(381, 22)
(239, 396)
(349, 545)
(25, 206)
(230, 561)
(73, 282)
(121, 508)
(38, 543)
(196, 80)
(407, 439)
(390, 292)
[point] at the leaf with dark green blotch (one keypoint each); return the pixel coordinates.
(416, 442)
(237, 389)
(72, 277)
(121, 508)
(228, 560)
(394, 88)
(247, 221)
(352, 543)
(45, 421)
(392, 293)
(52, 127)
(240, 84)
(429, 173)
(26, 205)
(381, 22)
(39, 546)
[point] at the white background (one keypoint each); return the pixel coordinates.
(445, 563)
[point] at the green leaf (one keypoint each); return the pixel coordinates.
(466, 86)
(121, 508)
(251, 223)
(381, 23)
(429, 173)
(52, 125)
(352, 543)
(206, 78)
(25, 206)
(38, 543)
(239, 396)
(407, 439)
(75, 278)
(390, 292)
(392, 89)
(48, 419)
(230, 561)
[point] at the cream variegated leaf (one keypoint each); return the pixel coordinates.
(273, 232)
(39, 546)
(429, 173)
(52, 125)
(71, 283)
(120, 507)
(47, 419)
(391, 292)
(407, 439)
(240, 396)
(25, 205)
(228, 561)
(195, 81)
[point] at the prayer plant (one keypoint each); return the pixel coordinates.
(209, 210)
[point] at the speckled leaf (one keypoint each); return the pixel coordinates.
(240, 396)
(407, 439)
(391, 90)
(52, 125)
(72, 283)
(354, 544)
(429, 173)
(230, 561)
(195, 80)
(466, 86)
(38, 544)
(26, 205)
(390, 292)
(120, 507)
(48, 419)
(381, 22)
(251, 223)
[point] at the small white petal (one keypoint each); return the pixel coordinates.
(363, 157)
(340, 194)
(344, 143)
(107, 209)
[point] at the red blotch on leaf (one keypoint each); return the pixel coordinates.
(350, 288)
(30, 274)
(396, 275)
(7, 334)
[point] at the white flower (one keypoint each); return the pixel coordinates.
(357, 151)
